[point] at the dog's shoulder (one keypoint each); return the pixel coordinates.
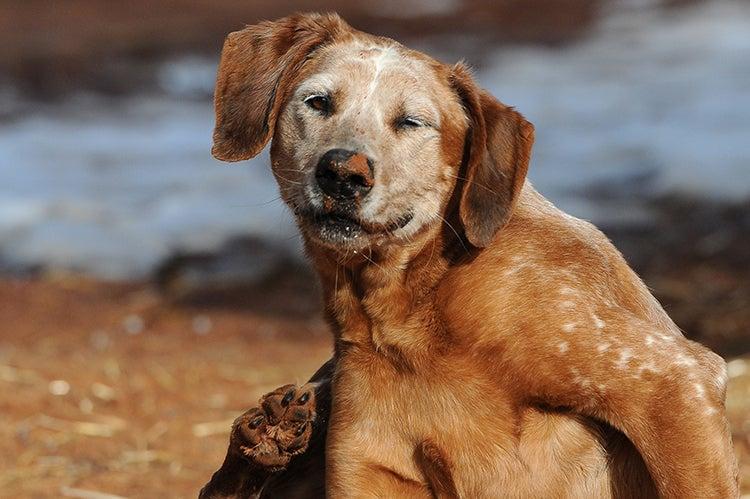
(544, 261)
(558, 282)
(541, 246)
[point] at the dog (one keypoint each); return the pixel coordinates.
(486, 343)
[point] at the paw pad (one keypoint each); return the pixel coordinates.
(281, 427)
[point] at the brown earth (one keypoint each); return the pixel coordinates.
(106, 387)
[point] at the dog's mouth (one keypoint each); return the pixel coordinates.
(340, 227)
(338, 222)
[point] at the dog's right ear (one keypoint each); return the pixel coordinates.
(257, 68)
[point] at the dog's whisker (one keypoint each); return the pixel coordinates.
(472, 182)
(253, 205)
(336, 281)
(287, 180)
(372, 261)
(432, 252)
(295, 170)
(460, 239)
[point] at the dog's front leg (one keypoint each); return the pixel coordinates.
(665, 393)
(352, 474)
(358, 477)
(365, 458)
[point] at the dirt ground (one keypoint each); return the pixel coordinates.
(104, 387)
(111, 388)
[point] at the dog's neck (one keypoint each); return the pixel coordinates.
(381, 299)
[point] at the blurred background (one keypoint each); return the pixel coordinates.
(148, 293)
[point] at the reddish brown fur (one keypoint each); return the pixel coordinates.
(505, 354)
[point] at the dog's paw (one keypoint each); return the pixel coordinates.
(270, 435)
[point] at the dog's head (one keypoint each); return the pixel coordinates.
(370, 139)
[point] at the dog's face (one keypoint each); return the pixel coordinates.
(359, 149)
(370, 139)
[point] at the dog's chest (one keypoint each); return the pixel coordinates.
(402, 379)
(491, 443)
(447, 400)
(397, 359)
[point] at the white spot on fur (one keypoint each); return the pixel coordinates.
(567, 291)
(648, 367)
(598, 323)
(519, 267)
(665, 337)
(562, 346)
(569, 327)
(721, 379)
(379, 61)
(580, 380)
(700, 390)
(510, 271)
(603, 347)
(568, 304)
(625, 355)
(650, 340)
(684, 360)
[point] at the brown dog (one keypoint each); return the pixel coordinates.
(486, 344)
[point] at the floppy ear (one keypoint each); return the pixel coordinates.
(257, 68)
(496, 159)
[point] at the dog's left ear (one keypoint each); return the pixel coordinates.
(496, 158)
(258, 67)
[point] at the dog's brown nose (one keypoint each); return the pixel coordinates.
(344, 175)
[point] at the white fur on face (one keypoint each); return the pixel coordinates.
(370, 88)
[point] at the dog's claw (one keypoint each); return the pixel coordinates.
(256, 422)
(270, 435)
(287, 398)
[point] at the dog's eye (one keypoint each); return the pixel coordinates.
(406, 122)
(320, 103)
